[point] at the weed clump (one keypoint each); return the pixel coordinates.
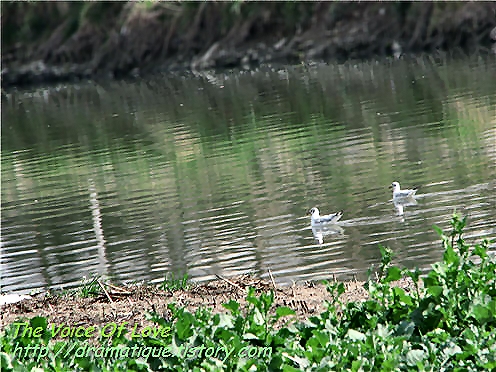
(170, 283)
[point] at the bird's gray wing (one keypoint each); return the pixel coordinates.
(405, 193)
(334, 217)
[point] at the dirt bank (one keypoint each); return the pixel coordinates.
(134, 302)
(60, 41)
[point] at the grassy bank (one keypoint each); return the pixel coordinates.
(128, 38)
(445, 322)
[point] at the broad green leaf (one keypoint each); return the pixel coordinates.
(39, 321)
(232, 305)
(482, 308)
(435, 290)
(356, 365)
(393, 273)
(284, 311)
(404, 298)
(480, 251)
(322, 337)
(451, 257)
(184, 326)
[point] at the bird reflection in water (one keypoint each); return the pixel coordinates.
(400, 205)
(319, 232)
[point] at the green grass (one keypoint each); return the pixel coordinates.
(447, 323)
(170, 283)
(89, 287)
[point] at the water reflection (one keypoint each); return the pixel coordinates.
(400, 205)
(319, 232)
(209, 175)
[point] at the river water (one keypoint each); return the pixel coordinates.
(212, 173)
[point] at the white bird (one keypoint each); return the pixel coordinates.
(398, 193)
(318, 220)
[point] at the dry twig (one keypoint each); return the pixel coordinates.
(228, 281)
(105, 291)
(272, 278)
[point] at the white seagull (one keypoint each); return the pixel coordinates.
(318, 220)
(398, 193)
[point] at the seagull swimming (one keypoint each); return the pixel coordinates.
(318, 220)
(399, 193)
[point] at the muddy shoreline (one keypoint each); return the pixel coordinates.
(132, 303)
(58, 42)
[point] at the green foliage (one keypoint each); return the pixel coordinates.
(89, 287)
(172, 284)
(444, 321)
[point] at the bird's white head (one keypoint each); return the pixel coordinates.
(314, 212)
(395, 186)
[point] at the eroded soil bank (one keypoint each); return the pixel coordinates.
(133, 303)
(60, 41)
